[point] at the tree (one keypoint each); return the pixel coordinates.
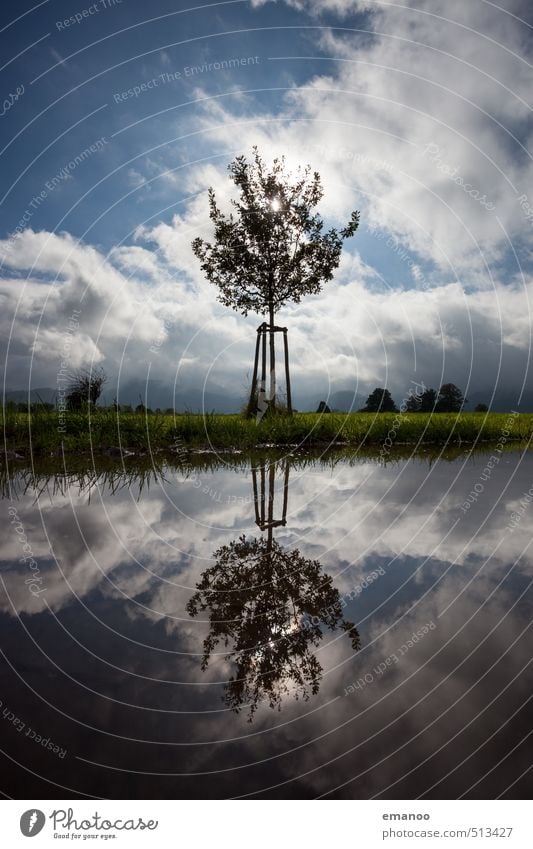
(268, 607)
(450, 399)
(413, 404)
(424, 403)
(481, 408)
(270, 250)
(428, 401)
(85, 388)
(379, 401)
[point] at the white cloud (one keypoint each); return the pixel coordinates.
(458, 85)
(353, 332)
(435, 73)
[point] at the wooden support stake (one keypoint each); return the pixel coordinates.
(287, 375)
(263, 369)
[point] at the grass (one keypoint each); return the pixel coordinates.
(52, 475)
(38, 433)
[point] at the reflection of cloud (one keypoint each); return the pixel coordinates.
(347, 527)
(80, 542)
(345, 517)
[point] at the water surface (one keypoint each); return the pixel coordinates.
(271, 627)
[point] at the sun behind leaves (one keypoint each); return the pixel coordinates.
(268, 606)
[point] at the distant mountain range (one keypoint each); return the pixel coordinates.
(217, 399)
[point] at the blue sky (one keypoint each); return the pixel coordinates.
(415, 113)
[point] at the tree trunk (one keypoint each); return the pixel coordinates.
(272, 398)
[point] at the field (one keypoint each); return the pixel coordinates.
(39, 433)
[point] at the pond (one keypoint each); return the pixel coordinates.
(283, 626)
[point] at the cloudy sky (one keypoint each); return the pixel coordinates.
(117, 117)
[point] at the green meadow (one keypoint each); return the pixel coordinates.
(42, 433)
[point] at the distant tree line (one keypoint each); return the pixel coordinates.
(85, 389)
(449, 399)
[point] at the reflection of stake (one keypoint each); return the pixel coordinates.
(256, 502)
(285, 492)
(268, 607)
(264, 515)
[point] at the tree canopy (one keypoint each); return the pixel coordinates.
(450, 400)
(85, 387)
(272, 249)
(268, 607)
(379, 401)
(424, 403)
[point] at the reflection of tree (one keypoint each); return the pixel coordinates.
(269, 607)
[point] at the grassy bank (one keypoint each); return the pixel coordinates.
(41, 433)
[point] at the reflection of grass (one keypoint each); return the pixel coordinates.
(102, 430)
(51, 474)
